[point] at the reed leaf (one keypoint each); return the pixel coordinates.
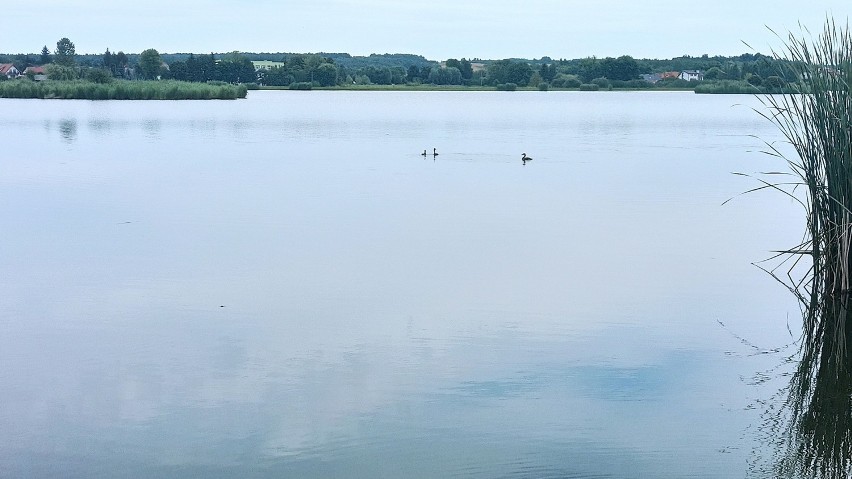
(817, 123)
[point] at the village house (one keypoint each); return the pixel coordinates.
(652, 77)
(8, 70)
(267, 65)
(689, 75)
(38, 73)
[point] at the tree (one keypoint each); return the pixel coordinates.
(59, 72)
(547, 72)
(714, 73)
(445, 76)
(98, 75)
(589, 68)
(179, 71)
(622, 68)
(65, 52)
(45, 56)
(466, 69)
(498, 71)
(413, 73)
(150, 64)
(326, 74)
(519, 73)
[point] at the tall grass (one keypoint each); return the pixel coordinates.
(817, 122)
(727, 87)
(121, 90)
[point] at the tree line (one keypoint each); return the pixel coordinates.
(325, 70)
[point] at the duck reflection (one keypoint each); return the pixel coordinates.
(68, 129)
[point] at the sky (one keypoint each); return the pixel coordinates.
(436, 29)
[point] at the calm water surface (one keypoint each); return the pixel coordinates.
(283, 286)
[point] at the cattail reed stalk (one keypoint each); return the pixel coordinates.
(817, 122)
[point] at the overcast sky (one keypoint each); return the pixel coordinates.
(436, 29)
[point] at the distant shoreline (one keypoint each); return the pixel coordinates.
(450, 88)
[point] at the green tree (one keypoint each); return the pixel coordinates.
(498, 71)
(150, 63)
(277, 76)
(466, 69)
(413, 73)
(45, 56)
(65, 52)
(589, 68)
(519, 73)
(58, 72)
(326, 74)
(622, 68)
(99, 75)
(445, 76)
(120, 59)
(714, 73)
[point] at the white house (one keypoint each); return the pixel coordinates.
(8, 70)
(266, 65)
(691, 75)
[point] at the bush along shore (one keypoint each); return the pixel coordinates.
(121, 90)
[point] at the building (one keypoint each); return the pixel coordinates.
(652, 77)
(38, 73)
(266, 65)
(690, 75)
(8, 70)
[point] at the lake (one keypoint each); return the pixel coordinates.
(283, 286)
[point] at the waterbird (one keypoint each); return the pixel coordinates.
(525, 158)
(424, 152)
(434, 152)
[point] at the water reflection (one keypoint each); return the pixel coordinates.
(68, 129)
(383, 318)
(152, 128)
(808, 425)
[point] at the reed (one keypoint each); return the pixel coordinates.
(121, 90)
(726, 87)
(817, 122)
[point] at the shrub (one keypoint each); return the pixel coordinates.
(543, 86)
(507, 86)
(632, 84)
(755, 80)
(565, 81)
(98, 75)
(602, 83)
(589, 87)
(302, 85)
(774, 83)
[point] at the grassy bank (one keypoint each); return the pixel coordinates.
(120, 90)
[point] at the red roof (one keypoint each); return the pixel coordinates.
(35, 70)
(5, 67)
